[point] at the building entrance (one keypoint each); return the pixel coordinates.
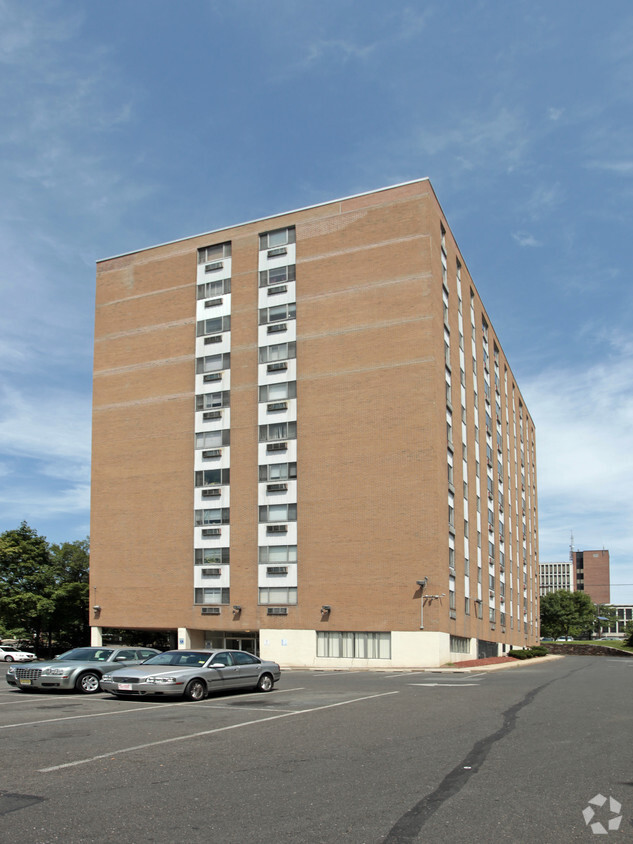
(248, 642)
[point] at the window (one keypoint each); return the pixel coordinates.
(210, 289)
(459, 645)
(278, 431)
(278, 554)
(350, 645)
(277, 275)
(278, 513)
(278, 595)
(277, 392)
(213, 326)
(278, 472)
(211, 401)
(211, 595)
(280, 351)
(243, 658)
(277, 312)
(213, 439)
(219, 516)
(211, 556)
(213, 363)
(212, 477)
(277, 237)
(214, 253)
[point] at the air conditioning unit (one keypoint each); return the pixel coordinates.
(212, 376)
(280, 487)
(211, 493)
(276, 569)
(279, 250)
(217, 338)
(211, 572)
(277, 611)
(276, 529)
(211, 531)
(277, 405)
(213, 303)
(212, 414)
(276, 328)
(212, 452)
(277, 366)
(280, 288)
(210, 610)
(281, 446)
(214, 267)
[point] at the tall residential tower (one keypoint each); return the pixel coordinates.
(308, 442)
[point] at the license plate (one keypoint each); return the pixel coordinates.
(125, 687)
(25, 682)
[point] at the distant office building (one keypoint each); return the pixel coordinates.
(592, 574)
(308, 443)
(625, 616)
(555, 576)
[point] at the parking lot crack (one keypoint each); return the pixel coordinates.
(408, 827)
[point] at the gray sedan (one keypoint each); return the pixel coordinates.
(80, 669)
(193, 674)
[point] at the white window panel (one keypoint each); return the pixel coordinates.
(223, 272)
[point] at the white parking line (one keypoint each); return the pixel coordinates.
(151, 705)
(445, 685)
(208, 732)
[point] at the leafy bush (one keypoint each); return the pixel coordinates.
(528, 653)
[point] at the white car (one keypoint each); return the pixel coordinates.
(10, 654)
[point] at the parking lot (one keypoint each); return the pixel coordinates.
(325, 757)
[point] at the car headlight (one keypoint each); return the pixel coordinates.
(55, 671)
(160, 681)
(107, 678)
(11, 670)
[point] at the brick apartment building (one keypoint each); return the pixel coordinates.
(308, 443)
(592, 573)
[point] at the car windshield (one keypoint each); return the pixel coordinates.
(86, 655)
(181, 658)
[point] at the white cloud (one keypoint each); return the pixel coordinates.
(49, 427)
(525, 239)
(621, 168)
(584, 438)
(495, 141)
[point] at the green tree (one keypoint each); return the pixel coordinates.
(628, 634)
(70, 568)
(566, 613)
(26, 604)
(606, 616)
(43, 588)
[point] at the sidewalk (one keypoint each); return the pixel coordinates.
(493, 663)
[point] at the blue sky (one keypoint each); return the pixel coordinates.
(126, 124)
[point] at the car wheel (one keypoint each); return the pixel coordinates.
(195, 690)
(88, 683)
(8, 658)
(265, 683)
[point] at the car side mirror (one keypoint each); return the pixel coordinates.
(217, 665)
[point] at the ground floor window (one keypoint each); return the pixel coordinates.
(460, 645)
(359, 645)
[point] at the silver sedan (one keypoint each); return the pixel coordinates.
(79, 669)
(193, 674)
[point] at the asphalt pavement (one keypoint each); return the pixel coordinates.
(537, 753)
